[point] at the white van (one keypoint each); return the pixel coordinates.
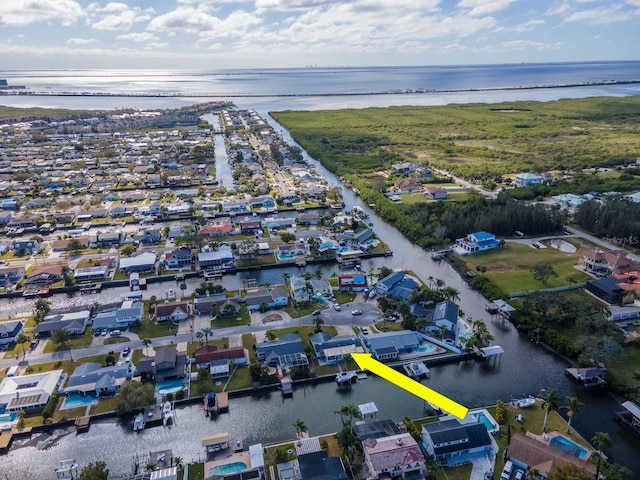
(13, 371)
(506, 471)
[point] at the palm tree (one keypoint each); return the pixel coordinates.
(318, 322)
(301, 428)
(207, 332)
(285, 278)
(572, 407)
(21, 339)
(199, 336)
(350, 411)
(146, 342)
(178, 462)
(443, 330)
(550, 403)
(600, 440)
(451, 293)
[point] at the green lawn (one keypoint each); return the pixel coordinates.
(76, 342)
(248, 342)
(242, 318)
(151, 329)
(240, 379)
(508, 267)
(195, 471)
(304, 331)
(620, 372)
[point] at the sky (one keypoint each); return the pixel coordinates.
(213, 34)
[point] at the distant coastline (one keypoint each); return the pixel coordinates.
(22, 91)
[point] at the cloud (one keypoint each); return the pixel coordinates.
(291, 4)
(527, 45)
(523, 27)
(186, 19)
(558, 10)
(117, 16)
(601, 15)
(484, 7)
(18, 13)
(138, 37)
(81, 41)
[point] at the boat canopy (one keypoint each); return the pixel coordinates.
(368, 409)
(217, 439)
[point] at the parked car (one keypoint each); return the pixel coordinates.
(115, 333)
(104, 332)
(337, 307)
(365, 331)
(315, 312)
(97, 332)
(126, 351)
(356, 312)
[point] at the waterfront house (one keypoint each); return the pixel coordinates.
(374, 428)
(207, 353)
(28, 392)
(389, 345)
(8, 204)
(149, 235)
(145, 262)
(10, 276)
(73, 322)
(528, 180)
(268, 351)
(175, 312)
(298, 361)
(221, 228)
(86, 274)
(408, 185)
(217, 302)
(218, 368)
(9, 331)
(445, 314)
(352, 282)
(250, 226)
(287, 251)
(330, 349)
(5, 217)
(266, 297)
(264, 202)
(44, 275)
(448, 440)
(121, 318)
(308, 218)
(397, 285)
(607, 289)
(394, 456)
(107, 239)
(167, 363)
(93, 378)
(476, 242)
(319, 465)
(179, 258)
(28, 246)
(298, 288)
(537, 455)
(235, 208)
(222, 258)
(603, 262)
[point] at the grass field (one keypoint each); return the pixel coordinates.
(508, 267)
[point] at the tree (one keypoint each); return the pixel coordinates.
(287, 237)
(572, 407)
(42, 309)
(318, 322)
(500, 411)
(199, 336)
(178, 462)
(600, 440)
(207, 332)
(384, 272)
(74, 245)
(349, 412)
(270, 335)
(21, 339)
(110, 360)
(62, 338)
(128, 250)
(134, 396)
(615, 471)
(542, 271)
(550, 404)
(146, 342)
(94, 471)
(301, 428)
(183, 287)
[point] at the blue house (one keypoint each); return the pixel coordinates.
(476, 242)
(396, 284)
(528, 179)
(9, 331)
(93, 378)
(389, 345)
(332, 349)
(269, 351)
(8, 204)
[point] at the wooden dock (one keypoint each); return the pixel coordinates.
(223, 400)
(5, 440)
(82, 423)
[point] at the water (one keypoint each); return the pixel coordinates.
(76, 400)
(228, 469)
(426, 348)
(170, 386)
(565, 445)
(524, 367)
(8, 417)
(483, 417)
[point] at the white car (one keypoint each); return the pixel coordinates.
(356, 312)
(337, 307)
(365, 331)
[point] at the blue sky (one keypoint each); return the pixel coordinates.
(211, 34)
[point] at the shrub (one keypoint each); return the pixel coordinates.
(47, 411)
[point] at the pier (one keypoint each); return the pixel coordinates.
(82, 423)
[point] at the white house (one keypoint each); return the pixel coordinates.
(28, 392)
(476, 242)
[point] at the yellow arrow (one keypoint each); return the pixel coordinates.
(366, 361)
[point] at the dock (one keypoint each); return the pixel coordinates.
(287, 386)
(90, 288)
(223, 400)
(416, 370)
(346, 378)
(592, 377)
(5, 440)
(82, 423)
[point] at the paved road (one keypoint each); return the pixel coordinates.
(603, 243)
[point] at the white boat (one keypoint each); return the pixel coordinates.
(138, 422)
(346, 377)
(526, 402)
(168, 413)
(68, 470)
(416, 369)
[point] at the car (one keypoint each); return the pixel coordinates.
(315, 312)
(126, 351)
(115, 333)
(34, 343)
(356, 312)
(96, 332)
(104, 332)
(337, 307)
(519, 475)
(365, 331)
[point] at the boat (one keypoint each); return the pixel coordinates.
(138, 422)
(168, 413)
(346, 378)
(90, 288)
(68, 469)
(416, 369)
(435, 408)
(526, 402)
(210, 403)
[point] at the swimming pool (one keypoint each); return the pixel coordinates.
(426, 348)
(228, 469)
(75, 400)
(170, 386)
(8, 417)
(567, 446)
(482, 418)
(285, 256)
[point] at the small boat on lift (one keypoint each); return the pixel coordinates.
(526, 402)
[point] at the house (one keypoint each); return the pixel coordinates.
(304, 290)
(175, 312)
(449, 438)
(405, 168)
(320, 466)
(476, 242)
(108, 239)
(218, 368)
(352, 282)
(8, 204)
(397, 285)
(93, 378)
(166, 364)
(145, 262)
(333, 349)
(445, 314)
(9, 331)
(73, 322)
(607, 289)
(389, 345)
(251, 226)
(287, 251)
(308, 218)
(221, 228)
(149, 235)
(569, 199)
(10, 276)
(44, 275)
(601, 261)
(235, 208)
(269, 297)
(222, 258)
(179, 258)
(394, 456)
(29, 246)
(542, 457)
(63, 244)
(208, 353)
(374, 428)
(264, 202)
(298, 361)
(528, 180)
(268, 351)
(217, 302)
(436, 193)
(408, 185)
(121, 318)
(28, 392)
(86, 274)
